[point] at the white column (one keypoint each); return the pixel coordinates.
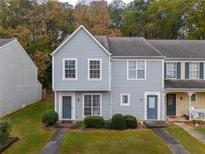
(164, 105)
(190, 107)
(55, 99)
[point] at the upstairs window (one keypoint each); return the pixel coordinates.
(95, 68)
(136, 70)
(70, 69)
(194, 71)
(171, 70)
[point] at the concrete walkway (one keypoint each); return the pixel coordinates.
(174, 146)
(54, 144)
(192, 132)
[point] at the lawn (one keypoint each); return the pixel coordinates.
(26, 124)
(110, 142)
(202, 130)
(193, 145)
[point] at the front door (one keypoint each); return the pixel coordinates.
(152, 106)
(171, 104)
(67, 105)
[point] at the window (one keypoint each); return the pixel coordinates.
(194, 71)
(171, 70)
(70, 69)
(136, 70)
(94, 69)
(193, 98)
(92, 104)
(125, 99)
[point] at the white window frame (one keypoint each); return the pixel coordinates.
(198, 63)
(94, 79)
(167, 69)
(121, 98)
(76, 69)
(145, 70)
(83, 115)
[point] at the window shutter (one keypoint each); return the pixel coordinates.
(165, 70)
(201, 70)
(178, 70)
(186, 70)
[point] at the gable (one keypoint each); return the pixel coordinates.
(78, 31)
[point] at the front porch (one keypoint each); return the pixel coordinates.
(185, 105)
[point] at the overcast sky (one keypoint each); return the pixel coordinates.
(73, 2)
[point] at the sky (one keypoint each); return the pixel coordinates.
(73, 2)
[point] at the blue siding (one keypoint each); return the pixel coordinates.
(136, 88)
(82, 47)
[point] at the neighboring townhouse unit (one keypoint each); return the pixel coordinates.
(19, 85)
(100, 75)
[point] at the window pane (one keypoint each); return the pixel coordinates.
(194, 70)
(125, 99)
(140, 74)
(87, 100)
(87, 111)
(132, 65)
(94, 69)
(69, 68)
(193, 97)
(96, 111)
(132, 74)
(91, 105)
(171, 70)
(96, 100)
(140, 65)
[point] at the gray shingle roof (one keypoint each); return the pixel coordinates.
(5, 41)
(180, 48)
(128, 46)
(183, 84)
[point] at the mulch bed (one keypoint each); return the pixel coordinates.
(11, 141)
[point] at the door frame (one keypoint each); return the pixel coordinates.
(175, 103)
(158, 104)
(72, 94)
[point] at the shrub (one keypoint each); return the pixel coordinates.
(80, 124)
(5, 128)
(108, 124)
(118, 122)
(94, 122)
(50, 118)
(131, 121)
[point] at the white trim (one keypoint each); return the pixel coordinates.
(72, 94)
(110, 75)
(53, 61)
(135, 59)
(80, 27)
(88, 68)
(55, 99)
(128, 104)
(76, 68)
(83, 116)
(145, 70)
(158, 105)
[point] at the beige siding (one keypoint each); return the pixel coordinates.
(182, 102)
(182, 70)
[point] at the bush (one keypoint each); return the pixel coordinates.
(50, 118)
(108, 124)
(5, 128)
(80, 124)
(94, 122)
(131, 121)
(118, 122)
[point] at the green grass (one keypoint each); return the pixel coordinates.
(202, 130)
(193, 145)
(26, 124)
(111, 142)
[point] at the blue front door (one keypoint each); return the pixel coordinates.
(152, 106)
(67, 101)
(171, 104)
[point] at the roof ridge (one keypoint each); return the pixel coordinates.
(158, 51)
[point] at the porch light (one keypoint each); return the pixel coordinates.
(181, 98)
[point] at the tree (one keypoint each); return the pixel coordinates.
(116, 9)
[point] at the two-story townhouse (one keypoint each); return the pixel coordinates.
(100, 75)
(184, 84)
